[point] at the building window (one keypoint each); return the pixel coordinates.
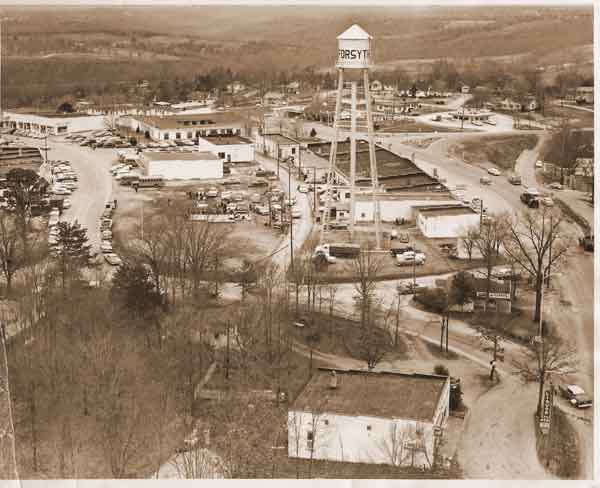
(293, 150)
(222, 155)
(177, 135)
(166, 137)
(189, 135)
(368, 427)
(362, 215)
(310, 440)
(326, 422)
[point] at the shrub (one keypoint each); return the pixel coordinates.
(441, 370)
(433, 299)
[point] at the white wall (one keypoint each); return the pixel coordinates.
(390, 210)
(182, 169)
(237, 152)
(446, 226)
(348, 439)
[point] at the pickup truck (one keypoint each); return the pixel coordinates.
(575, 395)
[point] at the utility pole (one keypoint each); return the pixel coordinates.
(550, 251)
(290, 215)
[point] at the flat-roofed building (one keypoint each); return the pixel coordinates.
(51, 123)
(185, 126)
(374, 417)
(445, 221)
(273, 145)
(232, 149)
(182, 166)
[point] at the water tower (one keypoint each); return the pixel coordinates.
(354, 58)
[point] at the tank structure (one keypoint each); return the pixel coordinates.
(354, 61)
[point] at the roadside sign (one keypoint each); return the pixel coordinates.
(546, 417)
(498, 296)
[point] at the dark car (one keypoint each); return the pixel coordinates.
(400, 250)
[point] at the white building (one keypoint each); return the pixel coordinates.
(52, 123)
(182, 166)
(584, 94)
(445, 221)
(275, 144)
(369, 417)
(399, 205)
(184, 126)
(233, 149)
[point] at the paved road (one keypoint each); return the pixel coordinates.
(302, 226)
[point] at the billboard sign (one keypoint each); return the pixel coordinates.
(546, 417)
(497, 296)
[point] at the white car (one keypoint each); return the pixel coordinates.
(61, 190)
(547, 201)
(296, 214)
(410, 258)
(107, 234)
(66, 203)
(71, 185)
(303, 189)
(539, 164)
(493, 171)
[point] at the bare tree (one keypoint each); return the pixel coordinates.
(488, 243)
(548, 357)
(198, 463)
(365, 270)
(536, 243)
(392, 445)
(11, 252)
(468, 239)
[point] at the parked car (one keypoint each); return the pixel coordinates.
(107, 235)
(303, 188)
(410, 258)
(296, 214)
(410, 288)
(539, 164)
(555, 186)
(66, 203)
(396, 250)
(113, 259)
(261, 210)
(494, 171)
(484, 180)
(212, 193)
(547, 201)
(514, 180)
(575, 395)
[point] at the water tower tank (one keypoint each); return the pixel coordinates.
(354, 48)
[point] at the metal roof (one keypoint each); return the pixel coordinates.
(355, 32)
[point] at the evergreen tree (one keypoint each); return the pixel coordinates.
(72, 250)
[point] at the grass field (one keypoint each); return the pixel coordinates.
(501, 151)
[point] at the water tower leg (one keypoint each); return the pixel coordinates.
(332, 154)
(373, 161)
(353, 159)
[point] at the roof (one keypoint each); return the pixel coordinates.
(388, 394)
(180, 156)
(355, 32)
(446, 211)
(585, 88)
(224, 140)
(189, 121)
(279, 139)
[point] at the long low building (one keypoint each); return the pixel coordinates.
(184, 126)
(52, 123)
(182, 166)
(233, 149)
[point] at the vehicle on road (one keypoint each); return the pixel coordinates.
(410, 258)
(555, 186)
(113, 259)
(296, 214)
(587, 242)
(547, 202)
(66, 203)
(575, 395)
(321, 256)
(494, 171)
(484, 180)
(257, 183)
(107, 235)
(303, 188)
(261, 210)
(396, 250)
(514, 180)
(410, 288)
(212, 193)
(60, 190)
(531, 197)
(539, 164)
(340, 250)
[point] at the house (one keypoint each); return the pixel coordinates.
(373, 417)
(182, 166)
(584, 94)
(465, 89)
(278, 146)
(445, 221)
(391, 107)
(582, 178)
(376, 86)
(472, 115)
(293, 88)
(510, 105)
(530, 104)
(19, 157)
(232, 149)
